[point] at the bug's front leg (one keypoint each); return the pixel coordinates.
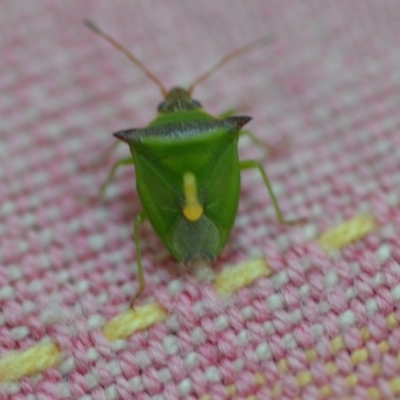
(271, 150)
(111, 174)
(140, 218)
(100, 161)
(251, 164)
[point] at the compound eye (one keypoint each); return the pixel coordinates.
(162, 107)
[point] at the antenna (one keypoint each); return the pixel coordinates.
(136, 61)
(239, 52)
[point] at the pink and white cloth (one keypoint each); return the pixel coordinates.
(323, 325)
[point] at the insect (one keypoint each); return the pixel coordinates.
(187, 170)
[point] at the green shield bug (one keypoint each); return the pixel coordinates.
(187, 170)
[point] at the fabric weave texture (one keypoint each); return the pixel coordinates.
(290, 312)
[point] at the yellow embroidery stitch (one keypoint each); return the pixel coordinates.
(233, 278)
(352, 380)
(373, 393)
(376, 369)
(277, 391)
(123, 325)
(259, 379)
(395, 385)
(384, 346)
(391, 321)
(325, 391)
(337, 344)
(17, 364)
(283, 366)
(39, 358)
(347, 232)
(331, 368)
(231, 390)
(311, 355)
(304, 378)
(359, 356)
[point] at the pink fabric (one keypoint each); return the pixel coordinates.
(329, 85)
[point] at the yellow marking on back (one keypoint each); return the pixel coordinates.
(192, 210)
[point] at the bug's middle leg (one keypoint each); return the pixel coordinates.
(251, 164)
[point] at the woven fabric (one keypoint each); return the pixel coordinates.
(287, 312)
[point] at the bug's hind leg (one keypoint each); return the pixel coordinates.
(251, 164)
(140, 218)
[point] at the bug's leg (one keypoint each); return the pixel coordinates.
(107, 153)
(250, 164)
(140, 218)
(270, 149)
(102, 159)
(111, 175)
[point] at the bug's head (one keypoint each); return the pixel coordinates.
(178, 99)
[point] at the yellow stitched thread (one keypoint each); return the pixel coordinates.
(259, 379)
(331, 368)
(123, 325)
(351, 380)
(347, 232)
(283, 366)
(242, 274)
(395, 385)
(231, 390)
(337, 344)
(39, 358)
(325, 391)
(17, 364)
(359, 356)
(373, 393)
(391, 321)
(311, 355)
(384, 346)
(304, 378)
(277, 391)
(376, 369)
(364, 333)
